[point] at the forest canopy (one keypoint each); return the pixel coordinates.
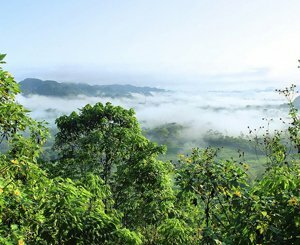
(107, 184)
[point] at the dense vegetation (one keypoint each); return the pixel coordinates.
(107, 185)
(32, 86)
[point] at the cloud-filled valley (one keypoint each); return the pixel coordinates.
(229, 112)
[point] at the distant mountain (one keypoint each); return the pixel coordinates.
(297, 102)
(56, 89)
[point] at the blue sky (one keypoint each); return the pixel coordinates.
(153, 42)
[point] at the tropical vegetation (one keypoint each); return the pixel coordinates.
(107, 184)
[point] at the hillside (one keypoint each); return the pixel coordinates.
(297, 102)
(56, 89)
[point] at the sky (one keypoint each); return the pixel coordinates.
(193, 43)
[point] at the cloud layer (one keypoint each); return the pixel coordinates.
(226, 111)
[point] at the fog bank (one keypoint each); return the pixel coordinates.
(227, 111)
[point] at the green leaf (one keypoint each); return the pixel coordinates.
(264, 213)
(2, 56)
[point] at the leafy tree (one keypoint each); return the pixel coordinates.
(107, 141)
(214, 188)
(175, 231)
(168, 134)
(98, 139)
(232, 210)
(36, 209)
(107, 185)
(19, 175)
(145, 196)
(277, 193)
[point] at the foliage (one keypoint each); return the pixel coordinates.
(107, 186)
(168, 134)
(106, 140)
(145, 194)
(216, 188)
(37, 210)
(101, 137)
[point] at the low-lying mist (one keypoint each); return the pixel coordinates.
(229, 112)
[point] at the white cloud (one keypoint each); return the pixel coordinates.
(226, 111)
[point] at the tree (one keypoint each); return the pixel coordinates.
(106, 140)
(107, 185)
(213, 189)
(98, 139)
(19, 175)
(278, 192)
(36, 209)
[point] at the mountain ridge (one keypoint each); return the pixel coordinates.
(31, 86)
